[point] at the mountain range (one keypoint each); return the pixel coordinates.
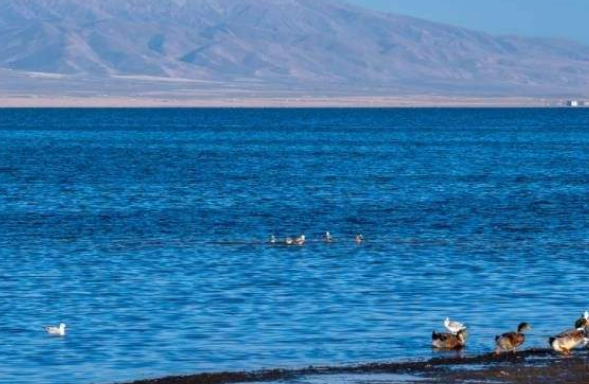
(251, 47)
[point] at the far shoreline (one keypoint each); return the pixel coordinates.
(24, 101)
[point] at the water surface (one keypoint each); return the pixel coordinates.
(144, 231)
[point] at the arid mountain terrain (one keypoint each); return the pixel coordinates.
(267, 47)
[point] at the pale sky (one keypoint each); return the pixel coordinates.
(545, 18)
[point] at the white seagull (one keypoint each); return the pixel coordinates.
(56, 331)
(328, 238)
(453, 326)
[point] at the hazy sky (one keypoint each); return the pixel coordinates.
(552, 18)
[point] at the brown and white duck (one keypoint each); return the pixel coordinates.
(509, 342)
(449, 340)
(566, 341)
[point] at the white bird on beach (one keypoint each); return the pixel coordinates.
(453, 326)
(56, 331)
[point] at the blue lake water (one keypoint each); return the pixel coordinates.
(144, 231)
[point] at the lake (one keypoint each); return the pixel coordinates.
(145, 231)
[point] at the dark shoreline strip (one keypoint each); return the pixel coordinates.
(375, 368)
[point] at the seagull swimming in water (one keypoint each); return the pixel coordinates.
(56, 331)
(328, 238)
(272, 239)
(453, 326)
(359, 239)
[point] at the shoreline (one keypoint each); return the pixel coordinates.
(25, 101)
(533, 366)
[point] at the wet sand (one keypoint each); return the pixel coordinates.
(536, 366)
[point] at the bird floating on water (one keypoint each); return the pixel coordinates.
(454, 326)
(359, 239)
(512, 340)
(328, 238)
(301, 240)
(295, 240)
(272, 239)
(449, 340)
(56, 331)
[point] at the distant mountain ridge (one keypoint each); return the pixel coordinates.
(275, 44)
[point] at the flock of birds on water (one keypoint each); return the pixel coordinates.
(455, 338)
(564, 342)
(302, 240)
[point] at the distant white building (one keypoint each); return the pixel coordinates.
(573, 103)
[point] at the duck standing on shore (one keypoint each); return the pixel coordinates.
(512, 340)
(449, 340)
(566, 341)
(569, 340)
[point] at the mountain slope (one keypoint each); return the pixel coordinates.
(311, 44)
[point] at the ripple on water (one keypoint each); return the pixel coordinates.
(130, 229)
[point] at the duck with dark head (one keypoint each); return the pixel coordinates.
(449, 340)
(583, 322)
(510, 341)
(568, 340)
